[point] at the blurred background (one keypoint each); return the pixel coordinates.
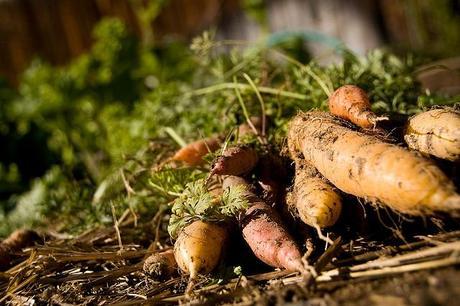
(76, 77)
(59, 30)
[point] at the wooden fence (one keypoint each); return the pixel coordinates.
(58, 30)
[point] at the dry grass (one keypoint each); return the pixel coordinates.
(85, 270)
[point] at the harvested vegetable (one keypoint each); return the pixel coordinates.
(314, 200)
(352, 103)
(193, 153)
(161, 265)
(18, 240)
(367, 167)
(235, 161)
(198, 221)
(199, 247)
(435, 132)
(264, 231)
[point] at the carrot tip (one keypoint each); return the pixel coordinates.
(374, 119)
(190, 286)
(382, 118)
(307, 270)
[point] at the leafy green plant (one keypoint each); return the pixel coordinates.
(103, 118)
(196, 203)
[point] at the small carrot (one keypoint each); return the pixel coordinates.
(199, 247)
(314, 200)
(435, 132)
(16, 241)
(160, 265)
(235, 161)
(193, 153)
(352, 103)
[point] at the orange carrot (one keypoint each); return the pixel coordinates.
(352, 103)
(235, 161)
(435, 132)
(367, 167)
(199, 247)
(193, 153)
(313, 199)
(160, 265)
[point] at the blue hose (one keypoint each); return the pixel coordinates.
(277, 38)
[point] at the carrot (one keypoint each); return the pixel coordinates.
(352, 103)
(160, 265)
(193, 153)
(435, 132)
(314, 199)
(15, 242)
(367, 167)
(235, 161)
(265, 233)
(199, 247)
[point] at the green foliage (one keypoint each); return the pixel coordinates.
(171, 182)
(196, 203)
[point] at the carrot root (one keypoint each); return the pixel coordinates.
(265, 233)
(235, 161)
(321, 235)
(367, 167)
(352, 103)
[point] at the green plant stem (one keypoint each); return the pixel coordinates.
(262, 89)
(259, 97)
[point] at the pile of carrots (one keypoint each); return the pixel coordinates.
(336, 152)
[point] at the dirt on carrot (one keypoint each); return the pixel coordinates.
(313, 199)
(235, 160)
(161, 265)
(435, 132)
(265, 233)
(367, 167)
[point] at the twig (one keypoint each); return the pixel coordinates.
(388, 266)
(324, 259)
(401, 259)
(156, 223)
(261, 101)
(394, 249)
(117, 230)
(87, 276)
(386, 271)
(11, 291)
(180, 141)
(84, 256)
(327, 256)
(246, 114)
(128, 188)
